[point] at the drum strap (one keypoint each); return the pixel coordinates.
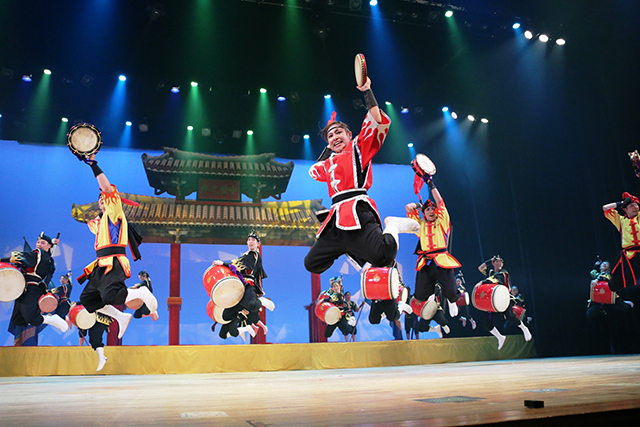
(347, 195)
(111, 251)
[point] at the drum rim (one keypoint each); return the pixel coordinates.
(88, 126)
(20, 283)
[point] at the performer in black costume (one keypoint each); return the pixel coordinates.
(495, 273)
(350, 310)
(334, 296)
(144, 311)
(37, 267)
(246, 312)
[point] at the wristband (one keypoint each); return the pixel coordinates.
(369, 99)
(431, 184)
(95, 168)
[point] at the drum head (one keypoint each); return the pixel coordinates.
(429, 310)
(360, 68)
(84, 139)
(394, 281)
(227, 292)
(11, 283)
(501, 298)
(48, 303)
(85, 320)
(332, 316)
(425, 164)
(217, 315)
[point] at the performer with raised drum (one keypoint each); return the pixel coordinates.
(37, 267)
(249, 268)
(352, 225)
(107, 274)
(625, 272)
(495, 273)
(601, 275)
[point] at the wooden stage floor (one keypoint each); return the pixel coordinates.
(575, 391)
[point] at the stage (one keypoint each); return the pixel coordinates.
(585, 390)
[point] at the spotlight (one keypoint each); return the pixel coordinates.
(281, 98)
(306, 136)
(0, 116)
(528, 35)
(404, 110)
(448, 13)
(373, 3)
(27, 78)
(175, 89)
(543, 38)
(189, 128)
(64, 120)
(471, 118)
(485, 121)
(410, 145)
(249, 132)
(263, 90)
(194, 84)
(454, 115)
(327, 96)
(122, 78)
(237, 134)
(445, 109)
(143, 127)
(47, 71)
(206, 131)
(387, 103)
(561, 42)
(87, 80)
(516, 26)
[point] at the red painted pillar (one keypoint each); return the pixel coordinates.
(114, 329)
(316, 326)
(174, 302)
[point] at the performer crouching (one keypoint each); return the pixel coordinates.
(107, 274)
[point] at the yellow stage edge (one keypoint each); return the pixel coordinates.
(201, 359)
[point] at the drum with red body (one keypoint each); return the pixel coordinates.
(519, 312)
(403, 295)
(491, 297)
(223, 287)
(80, 317)
(215, 313)
(463, 300)
(601, 293)
(380, 283)
(328, 313)
(425, 309)
(12, 283)
(48, 302)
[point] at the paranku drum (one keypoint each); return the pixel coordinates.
(80, 317)
(11, 282)
(360, 68)
(601, 293)
(403, 296)
(519, 312)
(425, 309)
(328, 313)
(422, 165)
(380, 283)
(84, 140)
(463, 300)
(491, 297)
(223, 287)
(48, 302)
(215, 313)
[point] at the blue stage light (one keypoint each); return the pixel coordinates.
(306, 136)
(122, 78)
(327, 96)
(516, 26)
(373, 3)
(27, 78)
(282, 98)
(175, 89)
(410, 144)
(404, 110)
(445, 109)
(128, 123)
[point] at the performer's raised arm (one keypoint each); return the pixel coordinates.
(370, 101)
(103, 181)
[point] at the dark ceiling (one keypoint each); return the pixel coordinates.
(298, 48)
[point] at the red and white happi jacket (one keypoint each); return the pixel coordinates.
(348, 174)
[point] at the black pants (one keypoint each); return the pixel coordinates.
(345, 328)
(96, 332)
(103, 289)
(624, 272)
(26, 310)
(427, 277)
(439, 317)
(596, 310)
(388, 307)
(508, 316)
(142, 311)
(366, 244)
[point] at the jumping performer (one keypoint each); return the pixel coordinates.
(625, 272)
